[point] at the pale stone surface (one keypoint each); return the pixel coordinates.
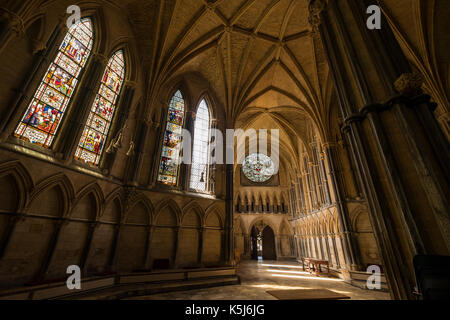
(256, 279)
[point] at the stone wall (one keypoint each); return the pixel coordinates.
(51, 218)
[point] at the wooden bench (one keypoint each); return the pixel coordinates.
(313, 264)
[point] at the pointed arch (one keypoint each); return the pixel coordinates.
(192, 208)
(96, 130)
(92, 189)
(21, 178)
(64, 192)
(173, 209)
(168, 171)
(41, 121)
(141, 200)
(114, 201)
(199, 179)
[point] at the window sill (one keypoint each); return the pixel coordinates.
(49, 156)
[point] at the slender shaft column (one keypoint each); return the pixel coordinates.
(87, 246)
(11, 25)
(12, 115)
(176, 247)
(59, 224)
(229, 215)
(400, 152)
(185, 169)
(8, 232)
(147, 254)
(200, 245)
(112, 260)
(350, 244)
(118, 126)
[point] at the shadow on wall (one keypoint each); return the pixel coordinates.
(44, 228)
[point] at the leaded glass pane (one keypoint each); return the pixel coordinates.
(200, 159)
(258, 167)
(170, 162)
(40, 122)
(97, 126)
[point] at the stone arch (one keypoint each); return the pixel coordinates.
(192, 214)
(189, 236)
(167, 213)
(89, 203)
(212, 236)
(141, 212)
(60, 187)
(14, 198)
(113, 208)
(213, 219)
(164, 236)
(133, 237)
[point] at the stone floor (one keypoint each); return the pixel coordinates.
(258, 277)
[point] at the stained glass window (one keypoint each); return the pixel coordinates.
(170, 156)
(258, 167)
(95, 132)
(200, 159)
(41, 121)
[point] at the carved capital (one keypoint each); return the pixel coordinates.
(99, 58)
(409, 84)
(37, 46)
(315, 9)
(131, 84)
(14, 21)
(191, 114)
(329, 145)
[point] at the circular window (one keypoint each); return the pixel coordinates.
(258, 167)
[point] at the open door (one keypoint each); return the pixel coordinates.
(268, 244)
(254, 245)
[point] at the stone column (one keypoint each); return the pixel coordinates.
(176, 246)
(8, 232)
(112, 260)
(200, 245)
(87, 246)
(185, 169)
(147, 254)
(120, 118)
(229, 250)
(11, 26)
(350, 244)
(400, 151)
(25, 91)
(59, 224)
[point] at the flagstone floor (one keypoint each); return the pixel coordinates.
(259, 276)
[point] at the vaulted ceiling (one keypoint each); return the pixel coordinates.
(261, 59)
(259, 56)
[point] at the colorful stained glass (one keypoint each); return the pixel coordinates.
(200, 158)
(258, 167)
(97, 126)
(170, 162)
(41, 121)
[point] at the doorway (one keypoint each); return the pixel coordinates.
(262, 242)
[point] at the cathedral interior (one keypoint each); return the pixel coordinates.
(96, 114)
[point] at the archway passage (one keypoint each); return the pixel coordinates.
(263, 243)
(268, 244)
(254, 243)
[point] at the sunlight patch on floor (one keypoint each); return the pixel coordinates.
(303, 277)
(281, 266)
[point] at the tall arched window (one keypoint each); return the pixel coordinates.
(41, 121)
(200, 158)
(95, 132)
(170, 155)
